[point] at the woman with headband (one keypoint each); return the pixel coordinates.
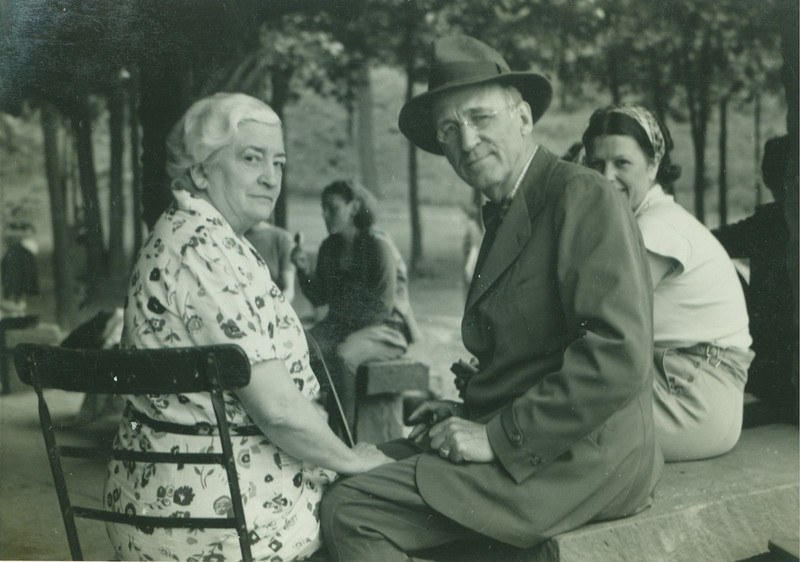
(700, 318)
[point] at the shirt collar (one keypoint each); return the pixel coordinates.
(522, 175)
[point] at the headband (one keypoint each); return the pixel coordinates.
(647, 122)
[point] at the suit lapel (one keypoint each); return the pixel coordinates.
(515, 230)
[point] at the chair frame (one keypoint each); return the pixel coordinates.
(211, 369)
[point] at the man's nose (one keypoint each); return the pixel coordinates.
(610, 173)
(469, 137)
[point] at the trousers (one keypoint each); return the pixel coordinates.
(698, 400)
(384, 517)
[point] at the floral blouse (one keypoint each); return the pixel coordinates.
(197, 283)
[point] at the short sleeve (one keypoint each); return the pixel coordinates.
(225, 295)
(662, 238)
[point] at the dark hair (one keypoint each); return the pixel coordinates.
(606, 121)
(350, 190)
(774, 161)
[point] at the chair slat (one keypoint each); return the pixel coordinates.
(140, 456)
(130, 371)
(150, 521)
(209, 369)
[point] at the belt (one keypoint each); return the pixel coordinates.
(201, 428)
(712, 353)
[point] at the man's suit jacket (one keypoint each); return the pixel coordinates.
(560, 317)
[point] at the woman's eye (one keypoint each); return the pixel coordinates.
(280, 165)
(252, 158)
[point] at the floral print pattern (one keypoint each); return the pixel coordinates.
(197, 283)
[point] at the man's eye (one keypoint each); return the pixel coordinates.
(448, 130)
(481, 120)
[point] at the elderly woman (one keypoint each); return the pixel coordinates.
(362, 278)
(700, 318)
(197, 281)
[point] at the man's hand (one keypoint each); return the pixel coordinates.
(464, 371)
(427, 415)
(460, 440)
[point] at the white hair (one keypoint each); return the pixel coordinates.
(208, 125)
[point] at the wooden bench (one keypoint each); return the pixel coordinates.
(381, 389)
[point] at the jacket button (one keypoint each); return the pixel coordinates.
(516, 438)
(536, 461)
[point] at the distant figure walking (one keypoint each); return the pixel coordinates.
(19, 271)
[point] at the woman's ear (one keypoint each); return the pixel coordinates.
(652, 171)
(198, 174)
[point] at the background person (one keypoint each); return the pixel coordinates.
(362, 278)
(700, 317)
(762, 238)
(197, 281)
(275, 246)
(556, 426)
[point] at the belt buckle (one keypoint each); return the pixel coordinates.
(714, 352)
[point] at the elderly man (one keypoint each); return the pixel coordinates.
(556, 428)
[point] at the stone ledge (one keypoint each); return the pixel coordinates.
(727, 508)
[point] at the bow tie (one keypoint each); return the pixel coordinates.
(494, 212)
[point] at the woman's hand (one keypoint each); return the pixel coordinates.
(368, 456)
(299, 257)
(429, 414)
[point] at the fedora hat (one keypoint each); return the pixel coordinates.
(460, 61)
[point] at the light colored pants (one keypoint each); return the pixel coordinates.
(698, 400)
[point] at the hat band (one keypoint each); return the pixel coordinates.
(442, 74)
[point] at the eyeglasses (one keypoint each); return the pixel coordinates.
(477, 119)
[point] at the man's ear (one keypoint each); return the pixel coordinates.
(198, 174)
(527, 118)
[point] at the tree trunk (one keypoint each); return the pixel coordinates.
(723, 161)
(657, 88)
(93, 229)
(280, 96)
(413, 177)
(365, 137)
(757, 147)
(612, 66)
(116, 205)
(58, 213)
(136, 163)
(163, 99)
(696, 82)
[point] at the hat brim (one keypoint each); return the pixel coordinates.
(416, 118)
